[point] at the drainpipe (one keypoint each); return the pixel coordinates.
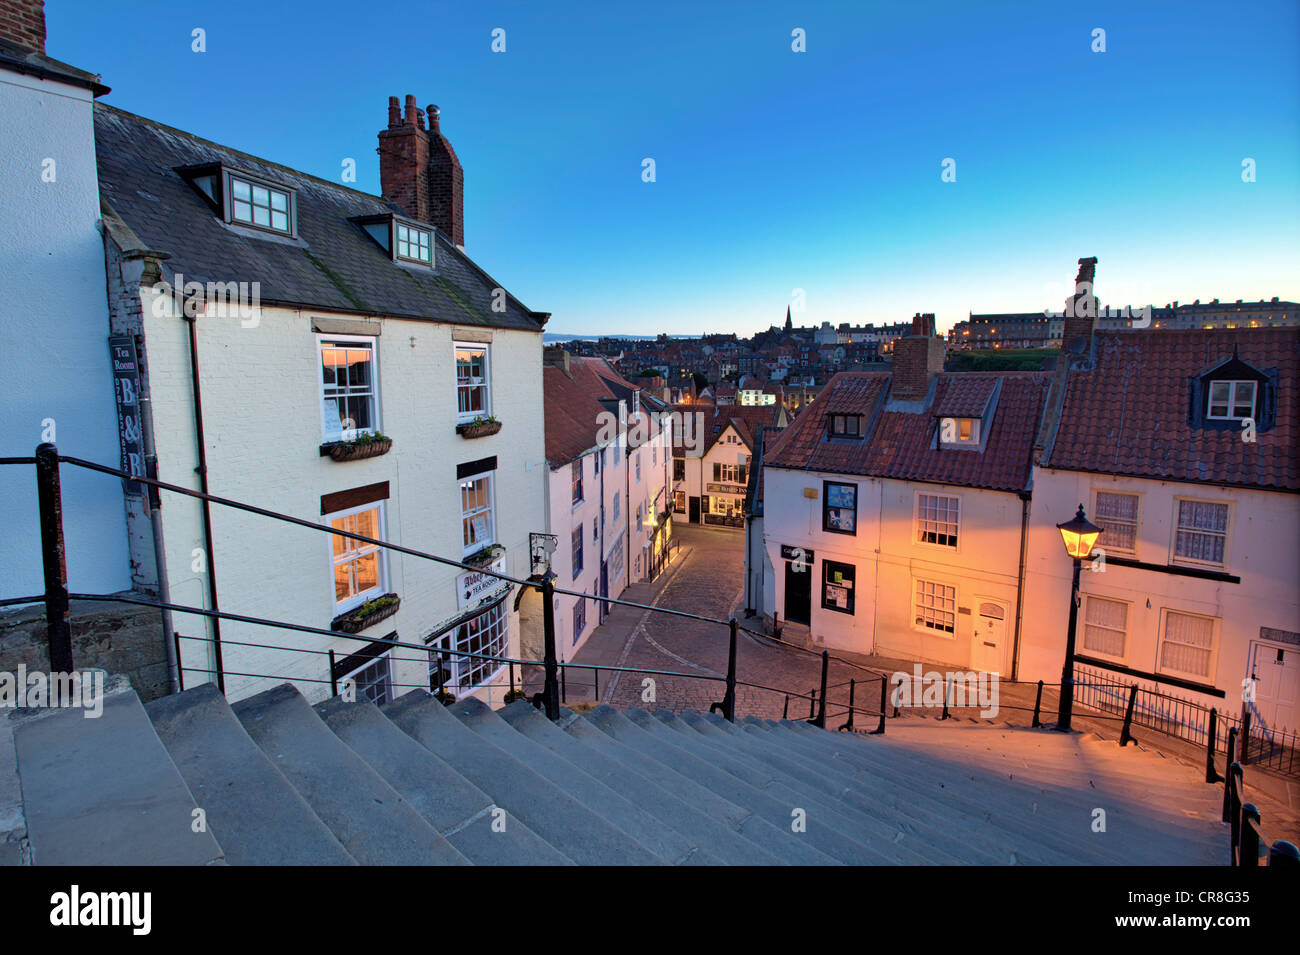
(1020, 582)
(155, 521)
(202, 472)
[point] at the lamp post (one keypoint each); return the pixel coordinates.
(1078, 534)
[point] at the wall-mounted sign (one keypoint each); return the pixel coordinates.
(473, 586)
(126, 393)
(804, 554)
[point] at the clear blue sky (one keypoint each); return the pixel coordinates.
(775, 170)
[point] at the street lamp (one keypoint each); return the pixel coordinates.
(1078, 534)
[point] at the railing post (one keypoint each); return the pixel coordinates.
(812, 705)
(1126, 735)
(564, 683)
(1211, 741)
(595, 675)
(1235, 777)
(776, 625)
(512, 677)
(821, 711)
(1227, 772)
(728, 702)
(1248, 851)
(549, 698)
(884, 694)
(947, 687)
(785, 710)
(1285, 854)
(1244, 756)
(1038, 705)
(50, 500)
(853, 686)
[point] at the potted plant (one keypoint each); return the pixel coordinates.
(480, 427)
(367, 615)
(482, 558)
(367, 444)
(515, 694)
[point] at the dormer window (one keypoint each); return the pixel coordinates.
(959, 431)
(845, 425)
(414, 245)
(402, 241)
(1231, 400)
(258, 205)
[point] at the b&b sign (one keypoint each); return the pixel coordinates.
(126, 393)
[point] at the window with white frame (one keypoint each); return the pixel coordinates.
(959, 431)
(413, 244)
(487, 634)
(478, 524)
(1201, 531)
(349, 390)
(260, 205)
(1187, 646)
(473, 399)
(1117, 514)
(937, 519)
(936, 606)
(357, 567)
(373, 681)
(1105, 626)
(1231, 399)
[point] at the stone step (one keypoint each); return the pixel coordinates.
(372, 821)
(573, 829)
(447, 801)
(712, 835)
(256, 815)
(817, 846)
(104, 791)
(662, 840)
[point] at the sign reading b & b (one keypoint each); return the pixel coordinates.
(126, 393)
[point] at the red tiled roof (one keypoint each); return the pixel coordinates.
(573, 408)
(899, 444)
(1130, 414)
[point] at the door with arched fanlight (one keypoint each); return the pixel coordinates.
(989, 639)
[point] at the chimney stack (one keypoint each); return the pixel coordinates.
(917, 359)
(23, 22)
(558, 356)
(419, 171)
(1081, 310)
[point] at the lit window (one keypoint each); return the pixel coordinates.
(959, 431)
(936, 606)
(348, 389)
(413, 244)
(1187, 645)
(1232, 399)
(477, 523)
(373, 681)
(1202, 531)
(358, 568)
(1118, 516)
(575, 476)
(487, 634)
(937, 518)
(258, 205)
(1105, 626)
(472, 395)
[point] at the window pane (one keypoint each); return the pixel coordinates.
(279, 201)
(239, 189)
(243, 211)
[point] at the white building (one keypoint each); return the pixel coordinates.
(712, 457)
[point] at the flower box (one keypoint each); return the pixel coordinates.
(484, 557)
(367, 615)
(478, 429)
(355, 450)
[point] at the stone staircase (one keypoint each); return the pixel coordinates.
(271, 780)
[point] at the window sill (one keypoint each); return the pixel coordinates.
(477, 429)
(485, 556)
(359, 618)
(355, 450)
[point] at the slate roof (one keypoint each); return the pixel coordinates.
(332, 265)
(573, 406)
(20, 59)
(1129, 414)
(900, 444)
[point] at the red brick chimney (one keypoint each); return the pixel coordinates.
(1081, 309)
(917, 359)
(419, 170)
(23, 22)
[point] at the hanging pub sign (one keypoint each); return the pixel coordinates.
(126, 393)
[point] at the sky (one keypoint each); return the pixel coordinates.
(810, 178)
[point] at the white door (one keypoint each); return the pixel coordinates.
(989, 638)
(1277, 684)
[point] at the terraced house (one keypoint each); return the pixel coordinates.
(336, 356)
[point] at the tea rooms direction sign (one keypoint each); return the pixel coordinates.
(474, 586)
(126, 393)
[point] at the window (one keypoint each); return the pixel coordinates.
(259, 205)
(374, 681)
(616, 508)
(1232, 399)
(638, 516)
(476, 518)
(840, 508)
(486, 634)
(595, 533)
(1105, 626)
(577, 552)
(654, 455)
(679, 470)
(959, 431)
(730, 473)
(679, 502)
(595, 460)
(936, 606)
(349, 394)
(845, 425)
(837, 586)
(1118, 516)
(1202, 532)
(413, 244)
(358, 568)
(579, 617)
(1187, 646)
(937, 517)
(638, 466)
(472, 398)
(575, 478)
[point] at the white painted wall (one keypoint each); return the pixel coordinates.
(54, 310)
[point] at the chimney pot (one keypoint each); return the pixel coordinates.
(394, 113)
(412, 111)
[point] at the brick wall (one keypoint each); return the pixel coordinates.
(404, 159)
(446, 184)
(23, 22)
(916, 358)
